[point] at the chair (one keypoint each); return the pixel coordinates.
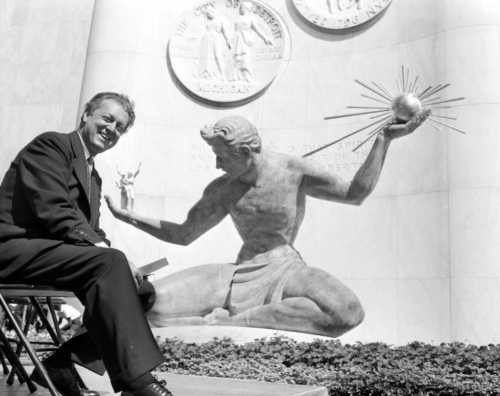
(33, 296)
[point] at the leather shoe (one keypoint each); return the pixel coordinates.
(65, 379)
(153, 389)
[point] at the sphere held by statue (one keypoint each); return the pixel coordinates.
(405, 106)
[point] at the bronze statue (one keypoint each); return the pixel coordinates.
(265, 193)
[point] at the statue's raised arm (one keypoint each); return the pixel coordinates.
(321, 183)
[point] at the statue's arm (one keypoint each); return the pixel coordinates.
(138, 170)
(224, 34)
(205, 214)
(325, 185)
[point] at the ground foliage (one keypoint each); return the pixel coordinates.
(345, 369)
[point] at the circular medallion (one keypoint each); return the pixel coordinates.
(228, 51)
(340, 14)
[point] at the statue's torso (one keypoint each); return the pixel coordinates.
(269, 214)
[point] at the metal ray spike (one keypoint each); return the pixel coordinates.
(446, 125)
(342, 138)
(423, 92)
(371, 135)
(384, 89)
(403, 78)
(377, 116)
(369, 107)
(372, 90)
(446, 101)
(353, 114)
(445, 117)
(414, 85)
(435, 91)
(375, 99)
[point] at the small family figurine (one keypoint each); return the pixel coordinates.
(126, 185)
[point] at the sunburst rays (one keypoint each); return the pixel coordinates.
(385, 107)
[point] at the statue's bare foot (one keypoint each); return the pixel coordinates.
(217, 316)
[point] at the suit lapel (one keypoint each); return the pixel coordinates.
(80, 164)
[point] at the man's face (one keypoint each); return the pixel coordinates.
(230, 160)
(104, 126)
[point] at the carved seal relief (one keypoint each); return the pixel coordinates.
(228, 51)
(340, 14)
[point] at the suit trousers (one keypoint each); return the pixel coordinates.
(114, 317)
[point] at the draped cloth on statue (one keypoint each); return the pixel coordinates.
(261, 280)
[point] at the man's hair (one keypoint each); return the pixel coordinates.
(234, 132)
(97, 99)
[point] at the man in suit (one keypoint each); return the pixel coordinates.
(50, 235)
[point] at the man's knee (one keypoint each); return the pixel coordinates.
(113, 261)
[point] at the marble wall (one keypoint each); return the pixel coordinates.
(42, 56)
(421, 252)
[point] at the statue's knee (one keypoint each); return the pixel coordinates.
(353, 313)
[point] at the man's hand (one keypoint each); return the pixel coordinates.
(138, 278)
(394, 131)
(114, 209)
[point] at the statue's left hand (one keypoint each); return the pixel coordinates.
(397, 130)
(114, 209)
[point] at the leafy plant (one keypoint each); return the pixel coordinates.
(350, 369)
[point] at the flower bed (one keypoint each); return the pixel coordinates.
(357, 369)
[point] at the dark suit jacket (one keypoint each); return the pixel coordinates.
(44, 199)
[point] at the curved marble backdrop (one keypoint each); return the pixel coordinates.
(421, 253)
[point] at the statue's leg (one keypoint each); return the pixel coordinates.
(186, 296)
(313, 302)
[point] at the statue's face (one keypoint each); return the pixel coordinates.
(210, 12)
(245, 8)
(230, 160)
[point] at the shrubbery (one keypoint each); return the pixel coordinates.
(358, 369)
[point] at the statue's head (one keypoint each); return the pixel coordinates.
(209, 11)
(245, 7)
(235, 141)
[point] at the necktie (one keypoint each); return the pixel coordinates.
(90, 167)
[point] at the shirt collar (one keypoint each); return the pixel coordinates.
(86, 151)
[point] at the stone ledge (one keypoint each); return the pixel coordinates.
(193, 385)
(182, 385)
(190, 385)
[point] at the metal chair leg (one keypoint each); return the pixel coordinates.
(53, 315)
(45, 321)
(27, 317)
(14, 361)
(34, 358)
(4, 363)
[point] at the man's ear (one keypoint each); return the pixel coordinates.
(85, 116)
(245, 150)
